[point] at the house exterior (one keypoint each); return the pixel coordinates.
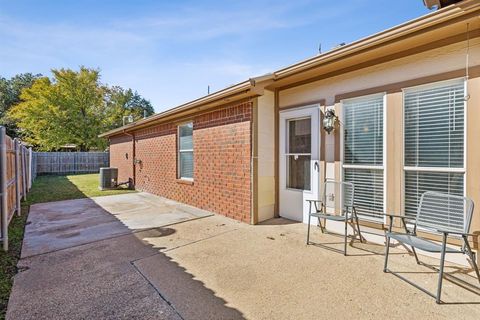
(408, 105)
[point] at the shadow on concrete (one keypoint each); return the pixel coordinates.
(451, 277)
(277, 222)
(67, 240)
(188, 296)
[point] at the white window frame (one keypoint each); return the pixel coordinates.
(368, 167)
(436, 169)
(179, 151)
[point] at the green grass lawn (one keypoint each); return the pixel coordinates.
(44, 189)
(56, 188)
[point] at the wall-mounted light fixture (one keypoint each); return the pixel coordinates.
(330, 120)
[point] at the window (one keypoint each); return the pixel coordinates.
(434, 141)
(363, 152)
(185, 151)
(298, 153)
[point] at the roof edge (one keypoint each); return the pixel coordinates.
(445, 14)
(233, 90)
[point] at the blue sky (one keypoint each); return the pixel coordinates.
(170, 51)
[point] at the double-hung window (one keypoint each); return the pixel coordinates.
(185, 151)
(363, 152)
(434, 141)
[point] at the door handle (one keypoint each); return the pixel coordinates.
(316, 166)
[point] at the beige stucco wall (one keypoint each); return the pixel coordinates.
(430, 63)
(473, 151)
(266, 156)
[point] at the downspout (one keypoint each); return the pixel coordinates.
(254, 163)
(133, 156)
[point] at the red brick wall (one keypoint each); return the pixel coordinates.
(121, 156)
(222, 149)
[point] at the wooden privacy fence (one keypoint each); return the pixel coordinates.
(68, 162)
(15, 180)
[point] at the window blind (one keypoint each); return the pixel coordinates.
(185, 150)
(363, 151)
(368, 189)
(363, 139)
(433, 141)
(418, 182)
(434, 126)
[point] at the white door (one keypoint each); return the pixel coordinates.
(299, 161)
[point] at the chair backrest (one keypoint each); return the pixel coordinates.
(444, 211)
(342, 191)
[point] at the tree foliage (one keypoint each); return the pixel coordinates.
(10, 90)
(124, 102)
(73, 107)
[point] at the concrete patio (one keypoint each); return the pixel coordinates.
(136, 260)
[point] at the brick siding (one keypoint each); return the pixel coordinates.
(222, 154)
(121, 156)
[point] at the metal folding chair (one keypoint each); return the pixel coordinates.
(443, 214)
(347, 213)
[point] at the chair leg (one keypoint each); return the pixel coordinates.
(320, 225)
(309, 218)
(387, 251)
(308, 229)
(319, 220)
(346, 236)
(415, 255)
(358, 226)
(472, 257)
(442, 265)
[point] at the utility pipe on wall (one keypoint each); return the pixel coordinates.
(134, 156)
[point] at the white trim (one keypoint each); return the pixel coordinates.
(385, 156)
(435, 169)
(354, 166)
(287, 208)
(180, 151)
(465, 127)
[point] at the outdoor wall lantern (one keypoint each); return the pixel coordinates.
(330, 120)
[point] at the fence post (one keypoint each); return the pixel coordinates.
(27, 165)
(75, 162)
(3, 187)
(30, 166)
(34, 166)
(24, 171)
(17, 175)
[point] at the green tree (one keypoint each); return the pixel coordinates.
(73, 107)
(10, 90)
(65, 110)
(124, 102)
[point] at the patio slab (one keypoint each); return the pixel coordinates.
(64, 224)
(267, 272)
(92, 281)
(217, 268)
